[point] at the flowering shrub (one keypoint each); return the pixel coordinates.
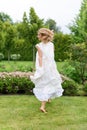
(15, 56)
(15, 84)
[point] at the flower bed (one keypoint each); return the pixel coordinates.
(16, 83)
(15, 74)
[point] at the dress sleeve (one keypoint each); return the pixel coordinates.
(37, 45)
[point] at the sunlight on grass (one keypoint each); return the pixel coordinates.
(22, 113)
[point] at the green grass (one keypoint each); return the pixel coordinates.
(21, 112)
(15, 66)
(21, 66)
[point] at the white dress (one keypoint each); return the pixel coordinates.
(47, 79)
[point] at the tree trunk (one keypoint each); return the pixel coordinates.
(33, 57)
(8, 55)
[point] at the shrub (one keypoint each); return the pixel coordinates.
(79, 62)
(24, 68)
(15, 56)
(85, 88)
(15, 85)
(70, 88)
(73, 70)
(68, 70)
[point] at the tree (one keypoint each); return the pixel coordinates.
(34, 24)
(1, 36)
(62, 43)
(1, 41)
(5, 17)
(33, 18)
(51, 24)
(9, 37)
(23, 28)
(79, 27)
(25, 19)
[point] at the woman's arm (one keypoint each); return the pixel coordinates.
(39, 56)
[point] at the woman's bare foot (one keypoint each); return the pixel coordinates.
(43, 110)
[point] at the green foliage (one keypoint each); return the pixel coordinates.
(9, 38)
(51, 24)
(62, 43)
(25, 19)
(24, 66)
(85, 88)
(70, 87)
(1, 56)
(5, 17)
(68, 70)
(21, 37)
(15, 85)
(79, 26)
(34, 24)
(1, 36)
(33, 18)
(79, 62)
(76, 66)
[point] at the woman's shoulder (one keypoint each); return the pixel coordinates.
(41, 45)
(51, 44)
(38, 44)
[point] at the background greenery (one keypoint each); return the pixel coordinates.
(17, 83)
(17, 41)
(21, 37)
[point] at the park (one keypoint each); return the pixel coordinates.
(19, 109)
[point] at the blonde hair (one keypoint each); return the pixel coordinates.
(46, 32)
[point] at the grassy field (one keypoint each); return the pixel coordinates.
(15, 66)
(21, 112)
(21, 66)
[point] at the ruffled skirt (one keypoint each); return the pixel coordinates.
(47, 83)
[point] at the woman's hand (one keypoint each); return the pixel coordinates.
(40, 55)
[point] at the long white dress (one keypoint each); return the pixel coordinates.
(47, 79)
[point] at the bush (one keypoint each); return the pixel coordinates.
(15, 57)
(15, 85)
(85, 88)
(24, 68)
(70, 88)
(68, 70)
(79, 62)
(73, 71)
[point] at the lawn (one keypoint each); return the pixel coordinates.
(15, 66)
(10, 66)
(21, 112)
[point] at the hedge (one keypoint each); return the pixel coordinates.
(16, 85)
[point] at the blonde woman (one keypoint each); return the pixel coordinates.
(47, 79)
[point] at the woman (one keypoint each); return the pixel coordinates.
(47, 79)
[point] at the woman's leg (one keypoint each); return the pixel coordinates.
(43, 105)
